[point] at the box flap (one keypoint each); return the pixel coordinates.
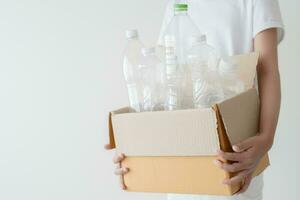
(112, 143)
(246, 67)
(166, 133)
(225, 144)
(240, 116)
(122, 110)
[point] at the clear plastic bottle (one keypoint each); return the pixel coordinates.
(203, 62)
(232, 84)
(132, 57)
(177, 33)
(173, 87)
(151, 76)
(179, 30)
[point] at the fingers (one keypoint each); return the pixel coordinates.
(238, 178)
(243, 146)
(118, 158)
(245, 185)
(234, 167)
(108, 147)
(121, 170)
(230, 156)
(122, 183)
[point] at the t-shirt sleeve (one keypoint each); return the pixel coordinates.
(266, 14)
(166, 20)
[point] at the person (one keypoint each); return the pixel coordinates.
(237, 27)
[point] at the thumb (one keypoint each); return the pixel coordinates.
(243, 146)
(108, 147)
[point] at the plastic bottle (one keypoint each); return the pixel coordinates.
(203, 61)
(151, 76)
(177, 33)
(232, 84)
(179, 30)
(132, 57)
(173, 88)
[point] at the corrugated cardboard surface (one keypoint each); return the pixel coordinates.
(241, 116)
(112, 141)
(174, 133)
(184, 175)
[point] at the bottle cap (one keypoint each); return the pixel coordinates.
(180, 7)
(131, 34)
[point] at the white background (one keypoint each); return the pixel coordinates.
(60, 74)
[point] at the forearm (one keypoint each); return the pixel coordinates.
(268, 84)
(270, 98)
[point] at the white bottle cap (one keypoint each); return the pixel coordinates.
(148, 51)
(131, 34)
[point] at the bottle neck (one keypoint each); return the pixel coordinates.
(180, 13)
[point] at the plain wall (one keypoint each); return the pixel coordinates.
(60, 74)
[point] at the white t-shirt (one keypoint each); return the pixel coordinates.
(230, 25)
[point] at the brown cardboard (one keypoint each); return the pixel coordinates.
(183, 175)
(240, 116)
(172, 151)
(191, 132)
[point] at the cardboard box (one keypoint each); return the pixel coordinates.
(173, 151)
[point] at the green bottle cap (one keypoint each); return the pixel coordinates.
(181, 7)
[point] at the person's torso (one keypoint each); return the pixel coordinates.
(227, 24)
